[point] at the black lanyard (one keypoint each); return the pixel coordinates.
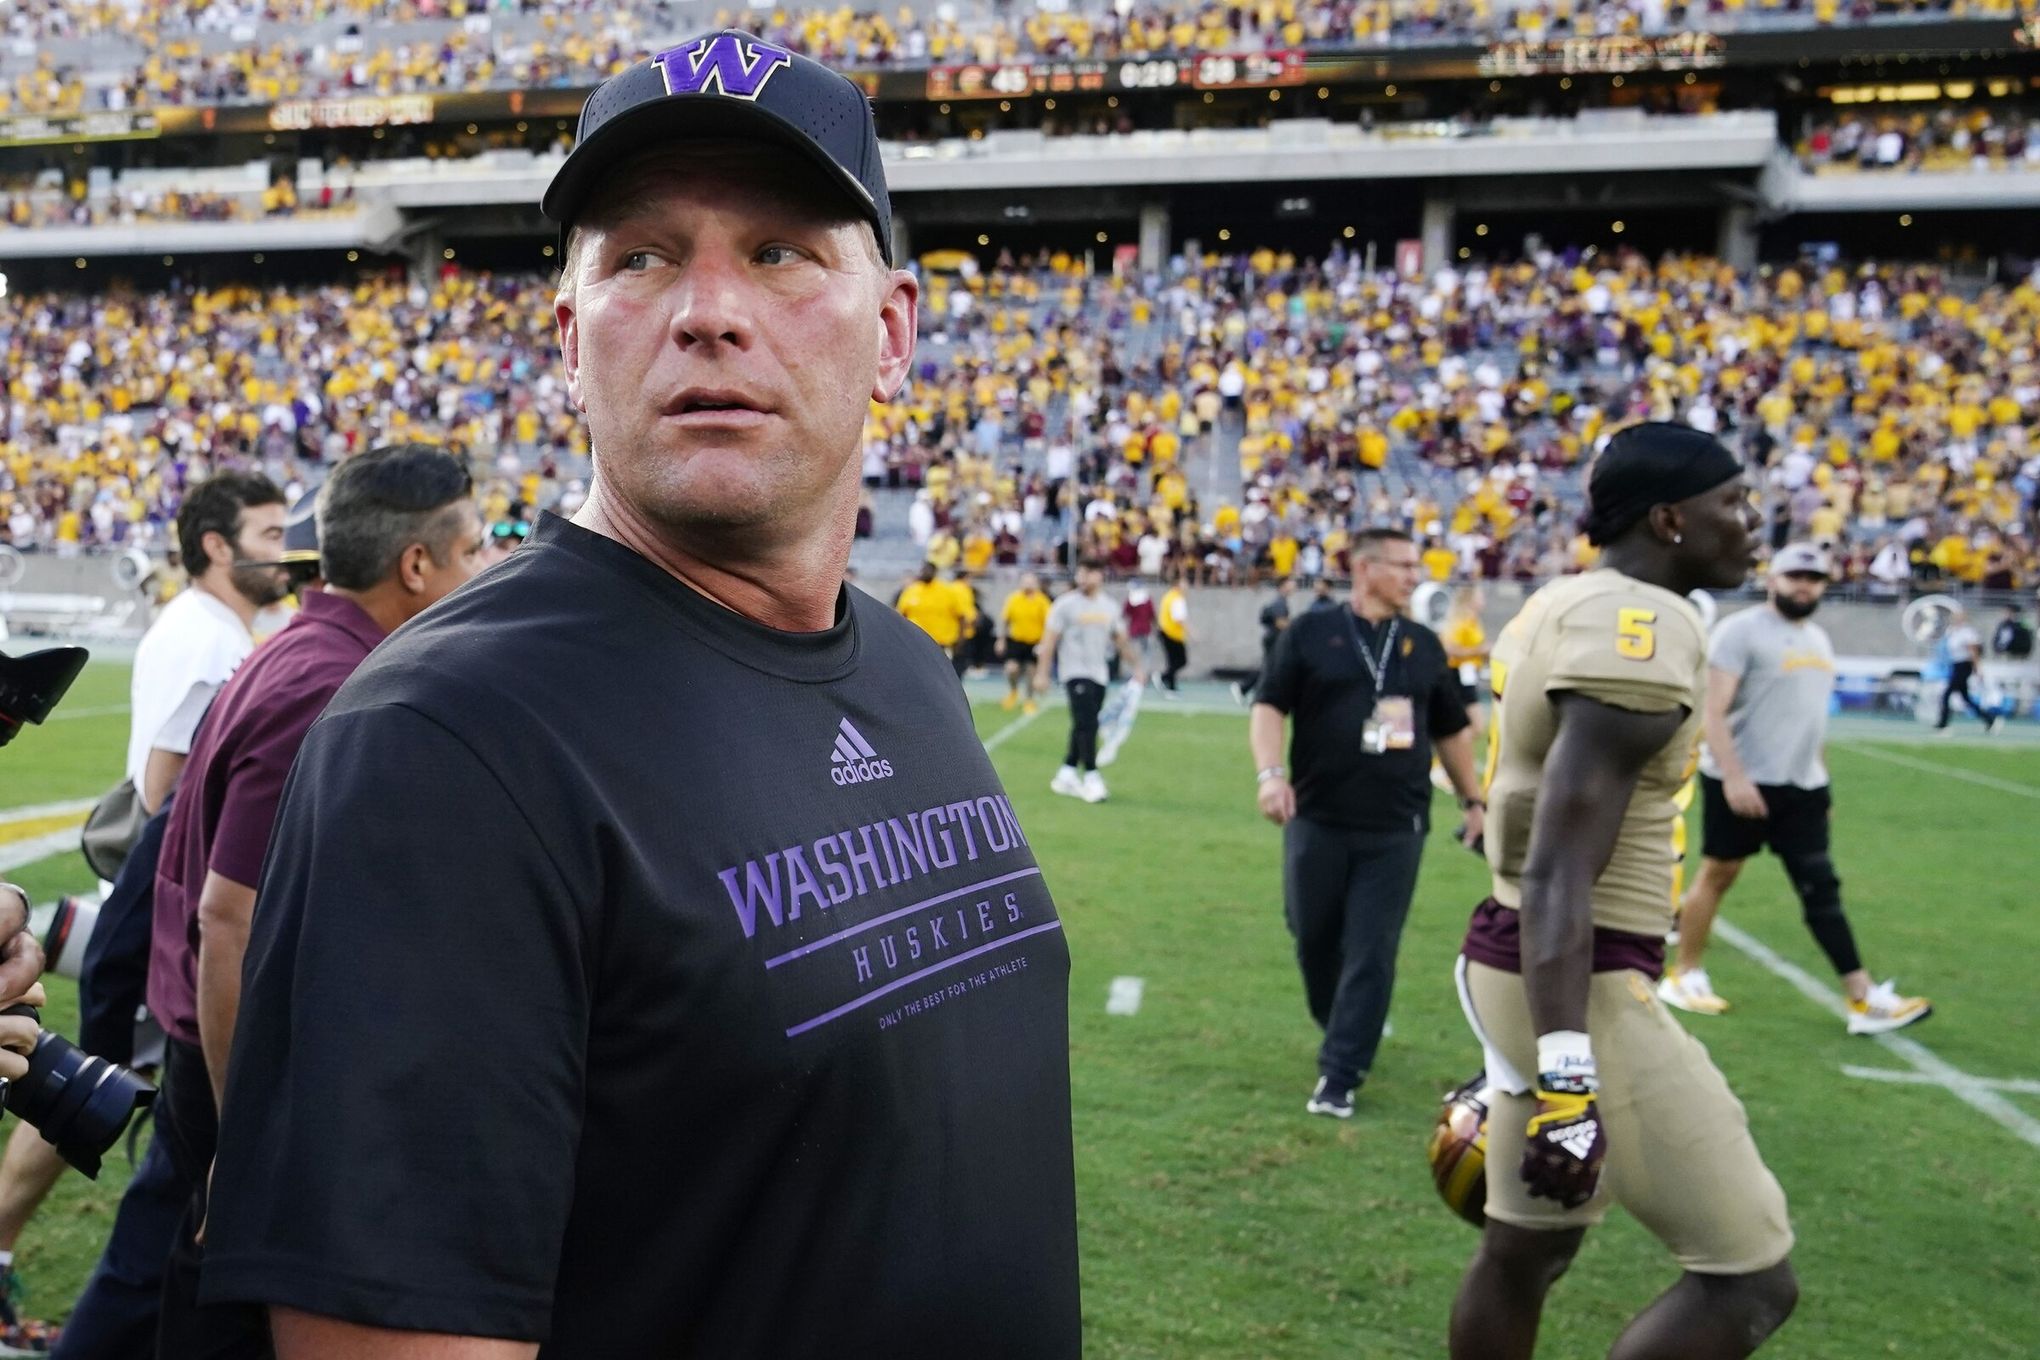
(1377, 668)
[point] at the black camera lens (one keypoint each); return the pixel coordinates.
(79, 1103)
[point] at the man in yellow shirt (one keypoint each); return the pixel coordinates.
(1021, 623)
(1172, 620)
(933, 607)
(1439, 560)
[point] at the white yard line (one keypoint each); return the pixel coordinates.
(1971, 1091)
(1013, 728)
(104, 712)
(18, 853)
(37, 811)
(2018, 1086)
(1987, 781)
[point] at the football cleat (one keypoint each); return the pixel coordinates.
(1010, 702)
(1690, 991)
(1885, 1010)
(1093, 790)
(1458, 1151)
(1324, 1100)
(1067, 782)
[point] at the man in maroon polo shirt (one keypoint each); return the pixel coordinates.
(398, 529)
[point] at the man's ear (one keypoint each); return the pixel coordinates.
(899, 320)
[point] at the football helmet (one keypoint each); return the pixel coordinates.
(1458, 1152)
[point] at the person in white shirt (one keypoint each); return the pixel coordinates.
(227, 528)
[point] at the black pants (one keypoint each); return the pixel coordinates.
(1347, 894)
(1796, 830)
(1086, 698)
(188, 1122)
(1176, 655)
(1958, 683)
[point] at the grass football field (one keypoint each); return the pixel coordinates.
(1219, 1220)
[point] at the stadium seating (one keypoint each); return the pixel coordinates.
(1244, 414)
(115, 56)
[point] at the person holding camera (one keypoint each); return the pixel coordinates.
(398, 530)
(650, 962)
(1371, 694)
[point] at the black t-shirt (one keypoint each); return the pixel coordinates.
(1315, 677)
(633, 977)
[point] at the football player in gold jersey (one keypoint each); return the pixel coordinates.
(1601, 1096)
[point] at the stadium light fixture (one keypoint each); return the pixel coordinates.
(472, 129)
(984, 240)
(79, 262)
(1692, 79)
(1565, 82)
(1348, 233)
(1389, 91)
(1465, 253)
(1618, 226)
(523, 126)
(1005, 106)
(1618, 82)
(446, 253)
(1225, 233)
(942, 108)
(1905, 219)
(1048, 103)
(1494, 87)
(1101, 238)
(353, 256)
(1111, 101)
(1274, 96)
(1210, 98)
(1324, 92)
(1480, 230)
(547, 252)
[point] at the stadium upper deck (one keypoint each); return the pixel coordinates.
(119, 55)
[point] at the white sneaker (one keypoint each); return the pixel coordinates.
(1067, 782)
(1690, 991)
(1093, 788)
(1885, 1010)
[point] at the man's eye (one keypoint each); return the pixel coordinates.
(778, 255)
(636, 261)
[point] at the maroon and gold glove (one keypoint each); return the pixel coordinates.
(1565, 1143)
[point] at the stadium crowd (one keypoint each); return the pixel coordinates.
(116, 403)
(157, 54)
(1887, 410)
(1943, 139)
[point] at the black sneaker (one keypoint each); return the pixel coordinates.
(1324, 1100)
(19, 1335)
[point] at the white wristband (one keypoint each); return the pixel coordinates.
(1566, 1052)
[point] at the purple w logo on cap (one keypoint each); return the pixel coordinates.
(723, 63)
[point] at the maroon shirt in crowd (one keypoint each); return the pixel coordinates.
(232, 784)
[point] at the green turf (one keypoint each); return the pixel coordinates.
(1220, 1221)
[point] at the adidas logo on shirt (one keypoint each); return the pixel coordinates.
(853, 761)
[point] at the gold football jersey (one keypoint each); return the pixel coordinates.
(1627, 644)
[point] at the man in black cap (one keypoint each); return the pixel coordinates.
(1598, 700)
(695, 991)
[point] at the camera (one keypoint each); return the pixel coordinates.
(79, 1103)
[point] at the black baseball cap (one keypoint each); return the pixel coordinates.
(727, 83)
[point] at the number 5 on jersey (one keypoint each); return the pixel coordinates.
(1636, 634)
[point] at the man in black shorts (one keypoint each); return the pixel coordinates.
(650, 962)
(1764, 781)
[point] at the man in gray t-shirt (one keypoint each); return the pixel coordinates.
(1764, 782)
(1084, 627)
